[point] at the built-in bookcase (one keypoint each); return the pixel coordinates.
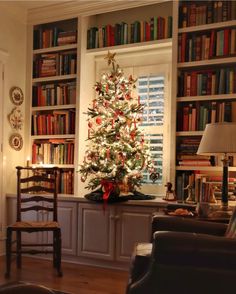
(130, 26)
(206, 79)
(53, 103)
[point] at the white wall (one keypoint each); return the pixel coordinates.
(13, 42)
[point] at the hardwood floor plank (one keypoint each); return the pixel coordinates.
(77, 279)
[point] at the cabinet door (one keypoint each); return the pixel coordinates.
(96, 231)
(68, 222)
(133, 225)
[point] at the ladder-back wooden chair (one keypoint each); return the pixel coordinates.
(36, 212)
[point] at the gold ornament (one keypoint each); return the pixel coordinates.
(83, 179)
(110, 57)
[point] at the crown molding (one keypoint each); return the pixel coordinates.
(76, 8)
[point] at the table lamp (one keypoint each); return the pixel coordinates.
(220, 139)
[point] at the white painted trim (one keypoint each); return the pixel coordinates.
(70, 9)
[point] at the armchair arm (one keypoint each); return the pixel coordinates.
(182, 224)
(191, 249)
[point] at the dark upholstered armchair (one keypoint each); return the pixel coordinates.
(185, 256)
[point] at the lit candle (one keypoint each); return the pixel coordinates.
(28, 161)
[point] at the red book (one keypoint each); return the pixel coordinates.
(212, 44)
(226, 41)
(148, 31)
(209, 83)
(112, 36)
(192, 15)
(186, 118)
(193, 89)
(49, 124)
(183, 46)
(108, 35)
(39, 95)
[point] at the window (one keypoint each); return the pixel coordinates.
(152, 88)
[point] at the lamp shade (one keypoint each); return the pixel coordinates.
(218, 138)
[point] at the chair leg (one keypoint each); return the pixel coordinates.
(58, 252)
(8, 252)
(18, 249)
(54, 249)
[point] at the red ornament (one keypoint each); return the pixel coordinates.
(106, 104)
(132, 135)
(98, 120)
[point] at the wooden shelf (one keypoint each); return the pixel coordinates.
(206, 97)
(210, 26)
(65, 136)
(54, 107)
(132, 47)
(207, 62)
(206, 168)
(55, 49)
(55, 78)
(190, 133)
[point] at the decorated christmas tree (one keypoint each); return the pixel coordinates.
(117, 153)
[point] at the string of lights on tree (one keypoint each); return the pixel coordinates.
(117, 152)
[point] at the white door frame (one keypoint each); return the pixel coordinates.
(3, 59)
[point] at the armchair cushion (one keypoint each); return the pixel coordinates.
(191, 249)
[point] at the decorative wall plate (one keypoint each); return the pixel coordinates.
(16, 141)
(16, 95)
(16, 118)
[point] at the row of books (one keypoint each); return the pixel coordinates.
(54, 151)
(207, 82)
(184, 179)
(188, 145)
(66, 181)
(45, 38)
(215, 43)
(193, 13)
(194, 117)
(123, 33)
(55, 123)
(195, 160)
(204, 186)
(54, 64)
(54, 94)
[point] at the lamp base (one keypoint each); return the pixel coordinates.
(223, 212)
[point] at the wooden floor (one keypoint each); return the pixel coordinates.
(77, 279)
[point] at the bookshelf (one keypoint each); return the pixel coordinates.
(206, 83)
(125, 28)
(54, 98)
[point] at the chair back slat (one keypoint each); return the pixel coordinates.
(38, 189)
(31, 182)
(36, 199)
(37, 208)
(37, 178)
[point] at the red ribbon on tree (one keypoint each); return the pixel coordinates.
(108, 187)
